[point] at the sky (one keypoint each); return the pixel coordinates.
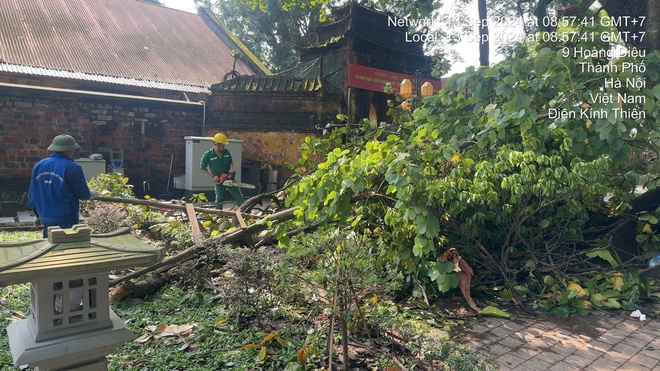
(185, 5)
(468, 50)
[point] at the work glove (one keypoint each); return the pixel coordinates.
(95, 194)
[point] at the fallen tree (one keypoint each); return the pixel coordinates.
(171, 206)
(159, 275)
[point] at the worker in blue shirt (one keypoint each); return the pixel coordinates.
(57, 185)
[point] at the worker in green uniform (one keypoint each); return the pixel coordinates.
(218, 164)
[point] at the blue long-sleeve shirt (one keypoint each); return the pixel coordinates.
(57, 185)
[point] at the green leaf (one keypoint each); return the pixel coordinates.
(548, 280)
(283, 241)
(433, 274)
(510, 79)
(261, 357)
(447, 282)
(561, 312)
(611, 303)
(494, 312)
(421, 224)
(417, 250)
(603, 254)
(444, 267)
(536, 84)
(521, 101)
(293, 366)
(491, 72)
(547, 304)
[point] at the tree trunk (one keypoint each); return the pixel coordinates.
(139, 289)
(484, 44)
(635, 9)
(633, 16)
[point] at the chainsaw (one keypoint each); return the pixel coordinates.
(220, 179)
(229, 180)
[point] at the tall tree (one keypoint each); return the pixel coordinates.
(271, 29)
(484, 45)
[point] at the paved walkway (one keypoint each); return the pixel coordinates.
(604, 341)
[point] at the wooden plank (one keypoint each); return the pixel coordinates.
(194, 224)
(240, 219)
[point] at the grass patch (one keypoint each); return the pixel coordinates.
(7, 237)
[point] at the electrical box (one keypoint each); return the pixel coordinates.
(195, 179)
(90, 167)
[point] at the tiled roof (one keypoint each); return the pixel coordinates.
(274, 83)
(40, 71)
(126, 42)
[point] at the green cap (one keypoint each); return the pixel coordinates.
(63, 143)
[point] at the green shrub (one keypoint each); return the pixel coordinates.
(111, 185)
(108, 217)
(247, 284)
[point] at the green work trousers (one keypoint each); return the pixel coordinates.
(220, 195)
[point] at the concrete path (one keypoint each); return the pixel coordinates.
(603, 341)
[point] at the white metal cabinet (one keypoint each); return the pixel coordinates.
(90, 167)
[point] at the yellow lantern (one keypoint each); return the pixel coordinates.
(427, 89)
(406, 88)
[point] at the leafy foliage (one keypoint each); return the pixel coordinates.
(178, 234)
(111, 185)
(102, 217)
(486, 166)
(616, 290)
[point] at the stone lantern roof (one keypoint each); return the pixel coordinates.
(75, 251)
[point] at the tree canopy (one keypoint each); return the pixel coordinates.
(273, 28)
(528, 168)
(525, 167)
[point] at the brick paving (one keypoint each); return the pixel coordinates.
(604, 341)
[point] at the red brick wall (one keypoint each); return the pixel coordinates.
(149, 131)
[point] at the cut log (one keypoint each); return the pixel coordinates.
(139, 289)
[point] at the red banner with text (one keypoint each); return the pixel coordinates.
(375, 79)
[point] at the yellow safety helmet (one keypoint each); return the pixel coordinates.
(220, 138)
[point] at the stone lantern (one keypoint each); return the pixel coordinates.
(71, 325)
